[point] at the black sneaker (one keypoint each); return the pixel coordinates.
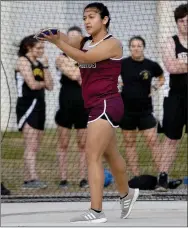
(173, 184)
(83, 183)
(162, 185)
(64, 184)
(4, 191)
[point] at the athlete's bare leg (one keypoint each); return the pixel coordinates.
(131, 153)
(81, 141)
(99, 135)
(32, 138)
(62, 149)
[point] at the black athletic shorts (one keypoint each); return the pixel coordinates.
(31, 111)
(137, 114)
(174, 117)
(71, 113)
(140, 121)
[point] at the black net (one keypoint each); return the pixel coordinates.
(153, 20)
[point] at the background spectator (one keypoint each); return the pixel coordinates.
(137, 74)
(175, 56)
(32, 78)
(71, 112)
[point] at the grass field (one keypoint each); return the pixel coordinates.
(47, 166)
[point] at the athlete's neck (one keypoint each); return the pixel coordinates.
(97, 37)
(138, 59)
(183, 39)
(31, 57)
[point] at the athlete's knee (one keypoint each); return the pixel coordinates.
(32, 146)
(29, 154)
(130, 141)
(81, 139)
(170, 142)
(107, 157)
(93, 156)
(81, 144)
(153, 141)
(63, 145)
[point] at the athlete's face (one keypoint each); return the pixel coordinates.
(73, 33)
(137, 49)
(182, 24)
(93, 21)
(74, 36)
(38, 50)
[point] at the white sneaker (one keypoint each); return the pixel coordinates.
(90, 216)
(128, 202)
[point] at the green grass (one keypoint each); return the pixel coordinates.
(12, 134)
(47, 166)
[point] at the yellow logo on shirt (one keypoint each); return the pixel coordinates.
(38, 72)
(145, 76)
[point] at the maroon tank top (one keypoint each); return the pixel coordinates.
(100, 79)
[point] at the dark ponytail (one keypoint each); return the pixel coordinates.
(26, 43)
(84, 40)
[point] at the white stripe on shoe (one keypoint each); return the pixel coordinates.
(136, 194)
(90, 217)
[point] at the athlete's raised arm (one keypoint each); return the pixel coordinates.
(110, 48)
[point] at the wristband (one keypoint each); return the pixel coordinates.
(45, 67)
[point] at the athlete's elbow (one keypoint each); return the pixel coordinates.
(49, 88)
(173, 70)
(33, 86)
(175, 67)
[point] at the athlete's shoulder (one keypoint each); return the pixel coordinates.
(149, 61)
(170, 38)
(61, 57)
(126, 59)
(169, 42)
(85, 40)
(114, 41)
(176, 40)
(22, 61)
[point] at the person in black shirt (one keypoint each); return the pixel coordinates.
(175, 56)
(71, 112)
(32, 78)
(137, 74)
